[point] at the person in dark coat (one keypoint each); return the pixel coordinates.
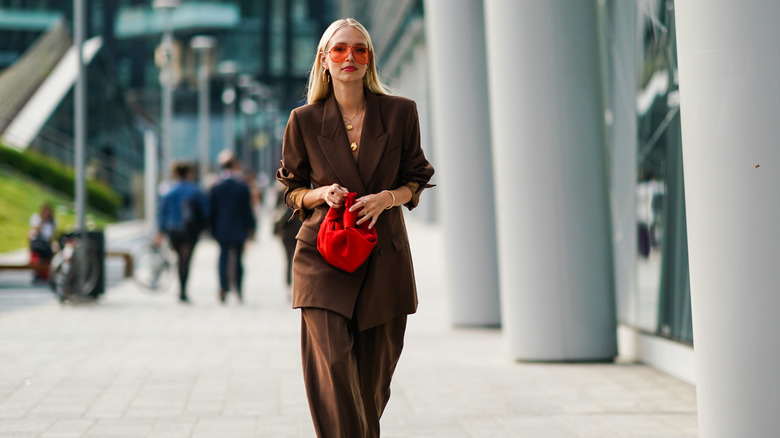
(232, 222)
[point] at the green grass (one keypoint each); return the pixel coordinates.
(20, 197)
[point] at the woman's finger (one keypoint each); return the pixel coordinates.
(360, 203)
(358, 206)
(368, 217)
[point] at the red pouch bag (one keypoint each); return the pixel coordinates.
(342, 243)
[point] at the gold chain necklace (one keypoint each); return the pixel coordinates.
(353, 144)
(348, 124)
(348, 120)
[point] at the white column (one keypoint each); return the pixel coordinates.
(555, 262)
(461, 136)
(730, 103)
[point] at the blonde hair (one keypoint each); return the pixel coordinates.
(319, 88)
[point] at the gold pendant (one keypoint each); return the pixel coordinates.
(353, 146)
(349, 127)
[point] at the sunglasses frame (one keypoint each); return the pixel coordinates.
(352, 51)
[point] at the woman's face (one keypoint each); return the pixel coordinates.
(348, 70)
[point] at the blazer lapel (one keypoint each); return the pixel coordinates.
(335, 146)
(373, 140)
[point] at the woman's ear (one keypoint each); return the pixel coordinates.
(324, 60)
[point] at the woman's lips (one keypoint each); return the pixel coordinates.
(349, 68)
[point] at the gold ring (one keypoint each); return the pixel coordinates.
(364, 203)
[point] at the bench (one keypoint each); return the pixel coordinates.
(126, 256)
(41, 270)
(25, 266)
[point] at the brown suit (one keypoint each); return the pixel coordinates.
(377, 297)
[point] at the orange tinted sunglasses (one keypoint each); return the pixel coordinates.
(340, 52)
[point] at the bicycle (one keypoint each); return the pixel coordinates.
(152, 268)
(65, 269)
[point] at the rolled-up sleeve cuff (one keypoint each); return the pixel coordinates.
(416, 190)
(295, 201)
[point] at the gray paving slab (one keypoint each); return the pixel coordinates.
(142, 365)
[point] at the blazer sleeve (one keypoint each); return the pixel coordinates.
(295, 167)
(415, 170)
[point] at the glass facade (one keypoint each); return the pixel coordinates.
(656, 295)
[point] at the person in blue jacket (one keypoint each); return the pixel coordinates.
(182, 215)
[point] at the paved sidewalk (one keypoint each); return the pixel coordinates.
(142, 365)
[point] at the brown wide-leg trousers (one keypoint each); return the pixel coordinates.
(347, 372)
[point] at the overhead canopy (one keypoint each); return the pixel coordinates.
(24, 20)
(143, 21)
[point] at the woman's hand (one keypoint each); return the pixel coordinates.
(371, 206)
(334, 195)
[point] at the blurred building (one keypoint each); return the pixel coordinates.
(269, 41)
(36, 98)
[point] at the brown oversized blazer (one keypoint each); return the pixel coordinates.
(316, 153)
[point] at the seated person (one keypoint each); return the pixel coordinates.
(40, 237)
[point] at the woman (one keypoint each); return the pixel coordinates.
(352, 136)
(41, 233)
(182, 212)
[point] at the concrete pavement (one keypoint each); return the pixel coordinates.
(143, 365)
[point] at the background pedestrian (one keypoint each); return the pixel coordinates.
(232, 222)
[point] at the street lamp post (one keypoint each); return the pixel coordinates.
(263, 95)
(80, 125)
(272, 110)
(228, 70)
(166, 79)
(202, 45)
(248, 106)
